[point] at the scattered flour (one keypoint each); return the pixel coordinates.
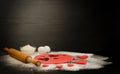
(28, 49)
(93, 62)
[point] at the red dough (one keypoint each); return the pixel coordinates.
(81, 62)
(54, 58)
(59, 66)
(70, 65)
(45, 65)
(82, 56)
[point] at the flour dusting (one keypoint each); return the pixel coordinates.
(93, 62)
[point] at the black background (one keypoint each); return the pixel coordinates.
(65, 25)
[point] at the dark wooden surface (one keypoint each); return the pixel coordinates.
(64, 25)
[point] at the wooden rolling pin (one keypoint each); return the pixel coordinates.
(21, 56)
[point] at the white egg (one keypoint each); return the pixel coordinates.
(28, 49)
(47, 48)
(42, 49)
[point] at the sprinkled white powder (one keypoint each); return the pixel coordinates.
(93, 62)
(28, 49)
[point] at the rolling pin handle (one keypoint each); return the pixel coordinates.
(30, 60)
